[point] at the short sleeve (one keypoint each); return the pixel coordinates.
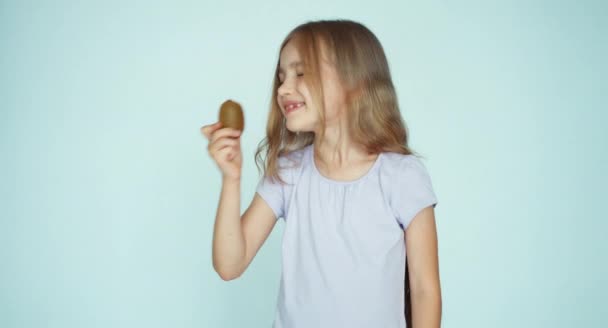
(273, 194)
(413, 190)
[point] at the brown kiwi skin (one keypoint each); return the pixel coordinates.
(231, 115)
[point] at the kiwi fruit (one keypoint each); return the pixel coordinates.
(231, 115)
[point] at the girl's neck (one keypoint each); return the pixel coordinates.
(334, 154)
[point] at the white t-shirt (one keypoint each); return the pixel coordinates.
(343, 249)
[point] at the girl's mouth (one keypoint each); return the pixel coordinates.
(292, 107)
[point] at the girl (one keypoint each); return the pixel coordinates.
(352, 194)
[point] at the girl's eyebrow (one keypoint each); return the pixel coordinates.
(294, 64)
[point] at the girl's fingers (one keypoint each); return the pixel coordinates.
(208, 130)
(224, 153)
(223, 143)
(225, 132)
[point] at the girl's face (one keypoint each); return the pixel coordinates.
(294, 97)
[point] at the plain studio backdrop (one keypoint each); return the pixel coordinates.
(109, 195)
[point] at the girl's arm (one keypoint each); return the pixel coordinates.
(236, 239)
(423, 264)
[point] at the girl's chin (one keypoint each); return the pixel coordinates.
(295, 126)
(295, 129)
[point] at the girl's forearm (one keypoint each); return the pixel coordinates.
(228, 240)
(426, 310)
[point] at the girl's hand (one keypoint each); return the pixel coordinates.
(225, 149)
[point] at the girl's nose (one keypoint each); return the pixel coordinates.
(285, 89)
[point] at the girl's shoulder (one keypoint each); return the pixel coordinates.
(408, 185)
(294, 159)
(396, 162)
(290, 165)
(400, 170)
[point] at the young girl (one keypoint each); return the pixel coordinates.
(352, 194)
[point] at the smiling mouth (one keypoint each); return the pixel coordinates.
(293, 107)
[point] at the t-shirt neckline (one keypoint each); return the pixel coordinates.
(369, 172)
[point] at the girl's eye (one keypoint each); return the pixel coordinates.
(281, 81)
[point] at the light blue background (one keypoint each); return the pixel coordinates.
(109, 196)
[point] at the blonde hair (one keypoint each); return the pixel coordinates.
(372, 112)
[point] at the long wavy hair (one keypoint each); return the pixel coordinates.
(372, 111)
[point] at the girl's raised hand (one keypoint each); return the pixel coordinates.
(224, 147)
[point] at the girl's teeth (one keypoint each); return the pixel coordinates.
(294, 106)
